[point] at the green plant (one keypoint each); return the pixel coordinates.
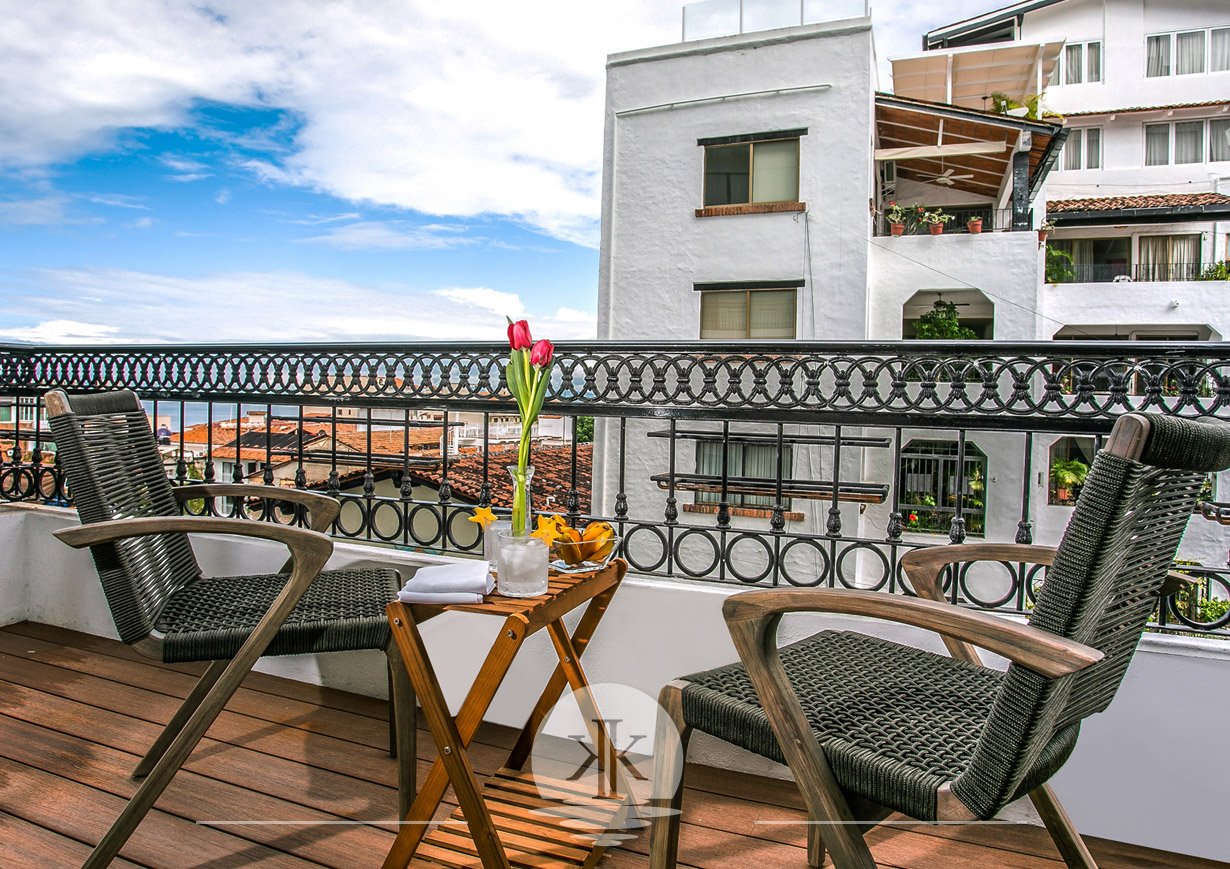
(1219, 271)
(585, 429)
(1058, 265)
(1005, 105)
(934, 217)
(1067, 473)
(942, 324)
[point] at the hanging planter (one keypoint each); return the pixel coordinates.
(974, 225)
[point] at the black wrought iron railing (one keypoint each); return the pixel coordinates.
(1097, 273)
(822, 463)
(993, 220)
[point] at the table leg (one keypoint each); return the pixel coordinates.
(452, 737)
(593, 614)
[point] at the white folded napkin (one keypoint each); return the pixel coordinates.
(459, 582)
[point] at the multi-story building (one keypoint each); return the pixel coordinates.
(1141, 195)
(747, 180)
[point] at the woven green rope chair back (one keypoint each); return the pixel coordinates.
(1104, 585)
(108, 451)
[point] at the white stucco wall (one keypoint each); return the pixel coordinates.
(655, 248)
(1199, 303)
(1131, 777)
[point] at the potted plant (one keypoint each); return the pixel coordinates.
(935, 220)
(974, 225)
(895, 215)
(1044, 229)
(1067, 474)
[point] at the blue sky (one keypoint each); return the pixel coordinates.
(372, 169)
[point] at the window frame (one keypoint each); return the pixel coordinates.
(748, 289)
(750, 141)
(1081, 134)
(1172, 43)
(1059, 76)
(740, 500)
(944, 453)
(1206, 144)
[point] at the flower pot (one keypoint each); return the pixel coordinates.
(937, 229)
(974, 226)
(1042, 234)
(897, 228)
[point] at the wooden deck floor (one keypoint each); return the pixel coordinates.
(77, 711)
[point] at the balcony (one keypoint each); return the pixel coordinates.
(993, 220)
(1101, 273)
(859, 423)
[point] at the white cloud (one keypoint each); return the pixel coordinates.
(496, 301)
(52, 210)
(223, 196)
(116, 200)
(140, 223)
(460, 109)
(64, 305)
(62, 332)
(391, 235)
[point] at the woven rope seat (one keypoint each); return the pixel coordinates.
(895, 722)
(341, 610)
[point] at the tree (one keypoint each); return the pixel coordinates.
(585, 429)
(942, 324)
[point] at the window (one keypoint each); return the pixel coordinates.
(929, 487)
(1079, 62)
(734, 314)
(1083, 150)
(756, 463)
(1094, 260)
(1157, 55)
(1168, 258)
(1189, 52)
(1219, 140)
(1070, 459)
(1189, 142)
(1219, 50)
(756, 168)
(1157, 144)
(1185, 141)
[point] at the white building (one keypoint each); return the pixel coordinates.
(1142, 191)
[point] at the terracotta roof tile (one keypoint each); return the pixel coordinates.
(552, 476)
(1116, 203)
(1147, 109)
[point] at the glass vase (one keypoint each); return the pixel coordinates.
(521, 478)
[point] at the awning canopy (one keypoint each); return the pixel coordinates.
(972, 149)
(968, 76)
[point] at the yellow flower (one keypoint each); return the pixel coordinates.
(483, 516)
(548, 530)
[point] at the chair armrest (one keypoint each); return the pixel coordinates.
(924, 566)
(322, 509)
(305, 546)
(1041, 651)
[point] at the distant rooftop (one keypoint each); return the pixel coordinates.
(709, 19)
(1224, 104)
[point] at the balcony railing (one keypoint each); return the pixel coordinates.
(993, 220)
(1100, 273)
(809, 475)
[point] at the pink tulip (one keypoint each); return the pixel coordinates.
(542, 354)
(519, 335)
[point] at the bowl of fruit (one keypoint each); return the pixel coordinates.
(581, 550)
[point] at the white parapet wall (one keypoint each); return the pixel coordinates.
(1148, 771)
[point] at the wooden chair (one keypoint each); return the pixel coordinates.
(164, 608)
(870, 727)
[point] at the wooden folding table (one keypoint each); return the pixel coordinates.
(509, 821)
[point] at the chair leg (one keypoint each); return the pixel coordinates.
(1069, 842)
(402, 721)
(668, 769)
(815, 845)
(177, 722)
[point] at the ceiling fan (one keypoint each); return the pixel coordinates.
(946, 178)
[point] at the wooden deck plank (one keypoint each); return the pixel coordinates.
(78, 710)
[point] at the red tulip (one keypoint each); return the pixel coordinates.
(519, 335)
(542, 354)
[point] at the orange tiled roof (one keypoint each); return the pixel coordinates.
(1203, 105)
(1152, 200)
(552, 476)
